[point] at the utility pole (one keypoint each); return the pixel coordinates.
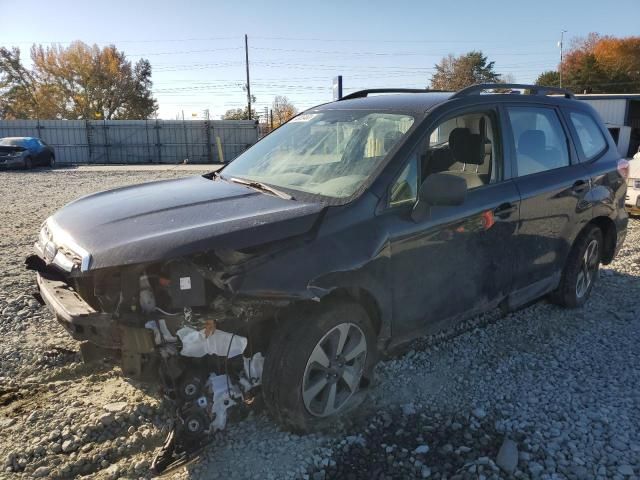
(337, 88)
(246, 56)
(561, 45)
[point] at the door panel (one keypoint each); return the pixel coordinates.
(552, 210)
(552, 186)
(455, 261)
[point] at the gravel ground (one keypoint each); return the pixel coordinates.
(540, 393)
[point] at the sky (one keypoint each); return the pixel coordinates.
(296, 48)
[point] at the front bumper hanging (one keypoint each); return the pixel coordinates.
(79, 318)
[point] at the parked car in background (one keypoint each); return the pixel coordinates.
(632, 201)
(25, 152)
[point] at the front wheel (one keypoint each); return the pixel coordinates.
(52, 161)
(28, 163)
(315, 365)
(581, 270)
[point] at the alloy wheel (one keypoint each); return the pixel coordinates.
(334, 370)
(588, 268)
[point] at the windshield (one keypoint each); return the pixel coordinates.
(12, 142)
(330, 153)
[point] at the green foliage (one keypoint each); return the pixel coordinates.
(236, 114)
(550, 78)
(76, 82)
(454, 73)
(242, 113)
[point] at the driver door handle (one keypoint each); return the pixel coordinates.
(505, 210)
(581, 186)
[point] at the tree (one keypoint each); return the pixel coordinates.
(550, 78)
(282, 110)
(243, 113)
(454, 73)
(235, 114)
(18, 96)
(602, 64)
(76, 82)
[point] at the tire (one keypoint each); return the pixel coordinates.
(297, 380)
(581, 270)
(28, 163)
(52, 161)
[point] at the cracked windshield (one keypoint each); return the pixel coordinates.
(329, 153)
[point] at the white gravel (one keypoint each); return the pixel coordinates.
(560, 385)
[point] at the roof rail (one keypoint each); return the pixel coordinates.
(533, 89)
(365, 93)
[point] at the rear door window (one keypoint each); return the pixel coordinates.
(590, 137)
(539, 138)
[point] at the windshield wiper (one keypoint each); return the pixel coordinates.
(262, 187)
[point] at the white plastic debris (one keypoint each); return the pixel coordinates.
(223, 390)
(253, 369)
(160, 333)
(196, 344)
(147, 298)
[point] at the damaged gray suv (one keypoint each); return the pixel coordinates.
(354, 228)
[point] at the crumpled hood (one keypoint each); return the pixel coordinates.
(172, 218)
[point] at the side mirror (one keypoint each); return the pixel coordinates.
(439, 190)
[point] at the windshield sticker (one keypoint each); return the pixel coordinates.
(304, 118)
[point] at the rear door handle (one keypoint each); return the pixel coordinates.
(581, 186)
(505, 210)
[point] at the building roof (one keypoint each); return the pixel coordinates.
(608, 96)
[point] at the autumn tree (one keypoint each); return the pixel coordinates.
(454, 73)
(602, 64)
(282, 110)
(76, 82)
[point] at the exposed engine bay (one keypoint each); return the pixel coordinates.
(173, 323)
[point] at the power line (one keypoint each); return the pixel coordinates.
(110, 42)
(343, 52)
(372, 40)
(181, 52)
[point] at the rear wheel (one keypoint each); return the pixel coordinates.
(316, 364)
(581, 270)
(52, 161)
(28, 163)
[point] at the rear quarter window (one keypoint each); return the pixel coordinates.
(590, 138)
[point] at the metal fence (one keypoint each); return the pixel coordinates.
(138, 141)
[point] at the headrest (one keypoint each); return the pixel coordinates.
(532, 142)
(466, 146)
(390, 139)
